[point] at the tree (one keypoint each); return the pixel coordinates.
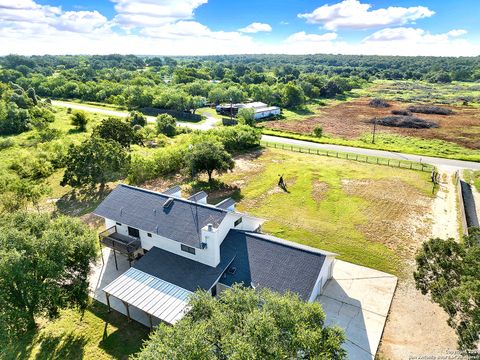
(119, 131)
(166, 125)
(318, 131)
(293, 95)
(95, 161)
(208, 157)
(80, 120)
(246, 116)
(137, 118)
(44, 267)
(449, 272)
(247, 324)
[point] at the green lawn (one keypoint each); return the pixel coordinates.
(96, 335)
(359, 211)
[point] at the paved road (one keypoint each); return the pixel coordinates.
(210, 122)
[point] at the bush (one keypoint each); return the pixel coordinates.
(318, 131)
(6, 143)
(246, 116)
(238, 138)
(166, 125)
(49, 134)
(430, 109)
(137, 118)
(405, 122)
(80, 120)
(402, 112)
(378, 103)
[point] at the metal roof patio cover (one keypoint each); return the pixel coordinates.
(150, 294)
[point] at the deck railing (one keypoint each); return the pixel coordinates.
(121, 243)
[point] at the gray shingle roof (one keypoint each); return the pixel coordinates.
(143, 209)
(225, 204)
(268, 262)
(172, 190)
(180, 271)
(198, 196)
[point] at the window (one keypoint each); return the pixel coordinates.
(188, 249)
(149, 235)
(133, 232)
(237, 222)
(118, 224)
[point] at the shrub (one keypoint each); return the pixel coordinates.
(246, 116)
(378, 103)
(49, 134)
(405, 122)
(137, 118)
(430, 109)
(318, 131)
(80, 120)
(6, 143)
(403, 112)
(166, 125)
(238, 138)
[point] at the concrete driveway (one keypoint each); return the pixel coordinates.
(358, 300)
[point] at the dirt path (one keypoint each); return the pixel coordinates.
(416, 326)
(444, 209)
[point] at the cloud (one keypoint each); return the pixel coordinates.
(412, 36)
(352, 14)
(304, 37)
(140, 13)
(30, 16)
(256, 27)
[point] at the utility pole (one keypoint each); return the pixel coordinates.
(231, 109)
(374, 130)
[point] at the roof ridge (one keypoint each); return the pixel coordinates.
(209, 206)
(287, 243)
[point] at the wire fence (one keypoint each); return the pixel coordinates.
(403, 164)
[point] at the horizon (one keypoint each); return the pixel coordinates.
(203, 27)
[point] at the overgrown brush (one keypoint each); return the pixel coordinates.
(400, 121)
(430, 109)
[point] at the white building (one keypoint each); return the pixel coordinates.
(180, 245)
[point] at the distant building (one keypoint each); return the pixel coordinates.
(262, 110)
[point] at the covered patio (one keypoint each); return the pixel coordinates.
(155, 297)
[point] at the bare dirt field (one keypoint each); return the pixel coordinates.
(350, 120)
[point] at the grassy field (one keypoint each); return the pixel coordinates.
(346, 121)
(472, 177)
(368, 214)
(96, 335)
(455, 93)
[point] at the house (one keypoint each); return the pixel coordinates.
(178, 245)
(262, 110)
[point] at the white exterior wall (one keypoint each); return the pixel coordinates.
(325, 274)
(264, 114)
(208, 256)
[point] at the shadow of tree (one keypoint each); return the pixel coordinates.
(68, 346)
(217, 190)
(78, 202)
(18, 348)
(120, 338)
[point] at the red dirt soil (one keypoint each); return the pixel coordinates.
(350, 120)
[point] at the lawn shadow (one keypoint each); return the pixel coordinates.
(78, 202)
(67, 346)
(18, 347)
(217, 190)
(120, 338)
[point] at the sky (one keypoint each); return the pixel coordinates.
(213, 27)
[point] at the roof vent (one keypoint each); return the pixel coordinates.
(168, 203)
(210, 227)
(232, 270)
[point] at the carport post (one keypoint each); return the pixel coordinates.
(128, 310)
(115, 257)
(108, 301)
(151, 322)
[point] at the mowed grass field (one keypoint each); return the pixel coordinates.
(96, 334)
(370, 215)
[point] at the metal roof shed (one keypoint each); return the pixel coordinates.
(154, 296)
